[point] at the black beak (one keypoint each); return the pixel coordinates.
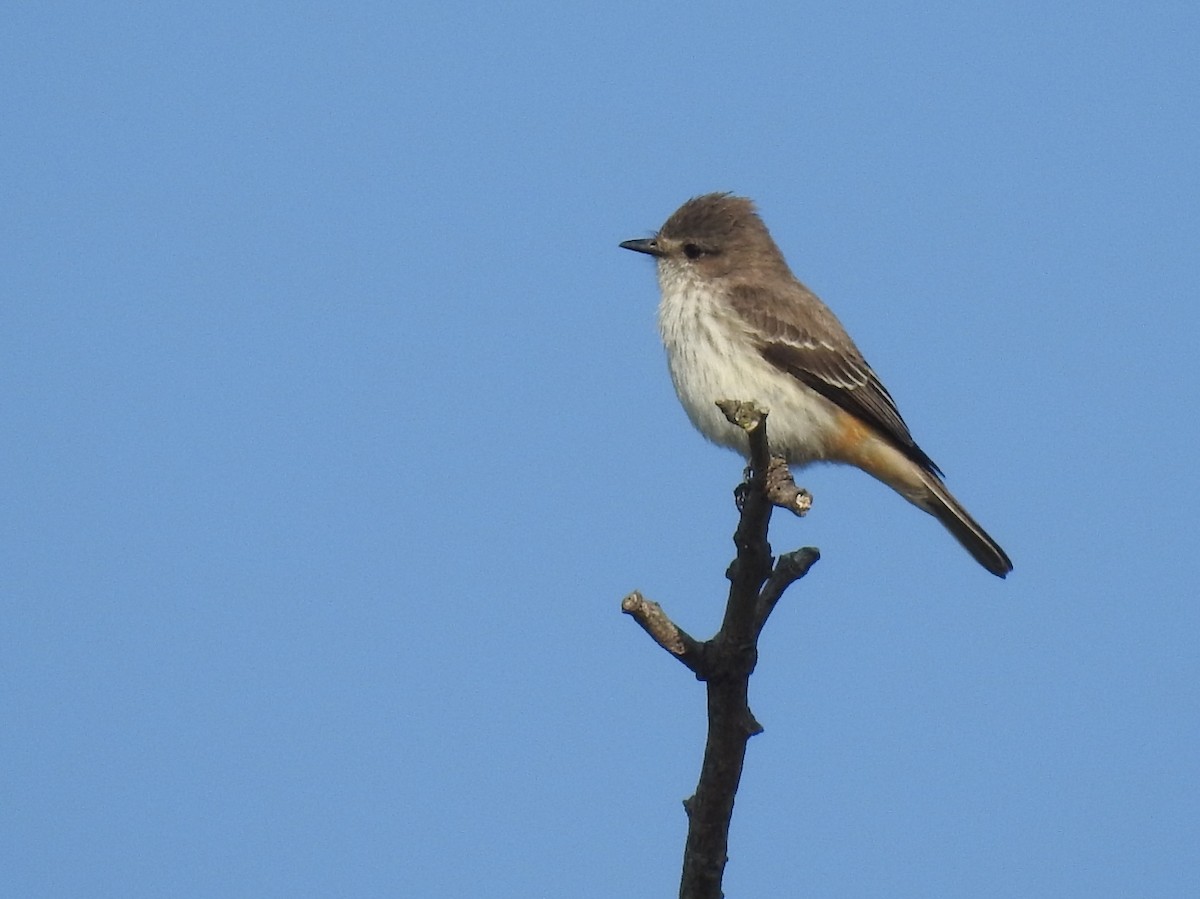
(647, 245)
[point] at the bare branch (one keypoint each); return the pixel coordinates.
(725, 663)
(788, 569)
(782, 491)
(665, 632)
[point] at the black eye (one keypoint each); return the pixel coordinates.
(691, 251)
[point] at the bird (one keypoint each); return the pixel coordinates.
(737, 324)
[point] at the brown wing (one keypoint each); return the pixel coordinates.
(799, 335)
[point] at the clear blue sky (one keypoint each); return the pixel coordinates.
(336, 427)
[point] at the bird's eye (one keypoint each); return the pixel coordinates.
(691, 251)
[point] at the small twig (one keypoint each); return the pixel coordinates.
(782, 491)
(789, 568)
(666, 633)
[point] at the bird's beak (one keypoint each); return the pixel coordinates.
(647, 245)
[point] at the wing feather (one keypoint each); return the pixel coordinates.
(805, 340)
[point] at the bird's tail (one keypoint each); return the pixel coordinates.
(939, 503)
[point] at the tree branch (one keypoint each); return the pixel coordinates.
(788, 569)
(725, 663)
(666, 633)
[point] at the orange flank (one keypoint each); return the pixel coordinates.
(856, 443)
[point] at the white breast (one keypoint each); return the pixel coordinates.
(712, 356)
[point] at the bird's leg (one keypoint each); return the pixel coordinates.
(742, 490)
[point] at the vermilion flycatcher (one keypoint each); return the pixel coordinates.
(738, 325)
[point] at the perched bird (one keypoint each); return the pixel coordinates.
(738, 325)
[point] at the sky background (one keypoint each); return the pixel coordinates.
(336, 426)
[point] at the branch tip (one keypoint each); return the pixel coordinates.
(745, 415)
(666, 633)
(780, 488)
(789, 568)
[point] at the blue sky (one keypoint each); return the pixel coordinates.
(337, 427)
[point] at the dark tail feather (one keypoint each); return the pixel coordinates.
(975, 540)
